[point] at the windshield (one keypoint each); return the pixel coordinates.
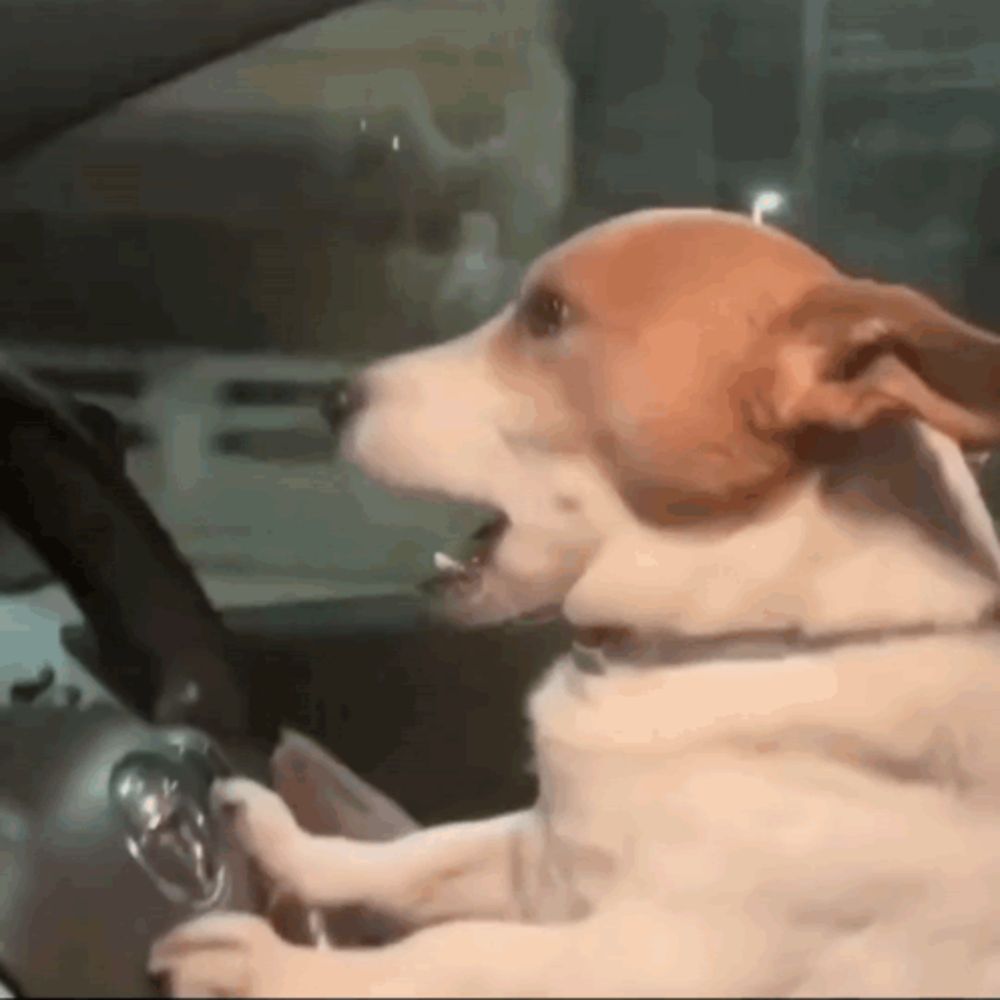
(206, 257)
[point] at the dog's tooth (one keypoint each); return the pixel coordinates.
(446, 564)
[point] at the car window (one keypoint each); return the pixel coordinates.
(205, 257)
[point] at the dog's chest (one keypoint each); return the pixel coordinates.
(591, 834)
(602, 811)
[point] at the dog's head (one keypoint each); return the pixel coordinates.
(668, 369)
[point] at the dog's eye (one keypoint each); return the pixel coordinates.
(544, 314)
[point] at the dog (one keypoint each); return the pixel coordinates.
(770, 764)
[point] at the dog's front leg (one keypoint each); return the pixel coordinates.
(460, 870)
(235, 955)
(629, 948)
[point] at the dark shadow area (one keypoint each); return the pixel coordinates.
(982, 272)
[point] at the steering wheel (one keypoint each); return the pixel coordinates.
(107, 836)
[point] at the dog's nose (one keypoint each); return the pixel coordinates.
(343, 398)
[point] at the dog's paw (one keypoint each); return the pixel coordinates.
(225, 955)
(263, 825)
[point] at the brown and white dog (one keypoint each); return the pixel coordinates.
(772, 766)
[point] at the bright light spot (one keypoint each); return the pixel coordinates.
(395, 143)
(765, 203)
(364, 124)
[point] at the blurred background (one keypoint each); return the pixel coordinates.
(202, 258)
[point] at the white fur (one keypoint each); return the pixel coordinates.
(823, 824)
(805, 564)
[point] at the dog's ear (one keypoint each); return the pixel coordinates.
(852, 353)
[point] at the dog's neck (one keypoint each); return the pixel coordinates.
(602, 650)
(895, 538)
(898, 699)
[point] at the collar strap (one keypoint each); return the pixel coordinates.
(595, 648)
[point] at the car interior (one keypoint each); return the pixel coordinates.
(215, 211)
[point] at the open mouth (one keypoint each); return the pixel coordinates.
(461, 575)
(471, 590)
